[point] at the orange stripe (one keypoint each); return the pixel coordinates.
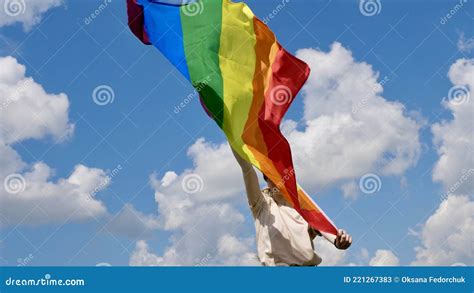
(314, 215)
(266, 48)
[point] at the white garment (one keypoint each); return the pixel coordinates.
(282, 234)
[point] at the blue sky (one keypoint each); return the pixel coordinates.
(406, 41)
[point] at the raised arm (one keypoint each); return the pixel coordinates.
(252, 186)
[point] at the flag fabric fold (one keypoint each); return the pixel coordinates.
(246, 81)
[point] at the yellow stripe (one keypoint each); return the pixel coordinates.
(237, 59)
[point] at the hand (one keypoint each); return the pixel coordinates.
(343, 240)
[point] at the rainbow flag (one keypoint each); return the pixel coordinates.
(246, 80)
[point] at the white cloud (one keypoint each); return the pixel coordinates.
(223, 178)
(28, 112)
(349, 128)
(202, 217)
(465, 45)
(231, 251)
(384, 257)
(364, 253)
(335, 257)
(350, 189)
(234, 251)
(446, 237)
(133, 223)
(141, 256)
(44, 201)
(27, 12)
(330, 255)
(10, 161)
(219, 181)
(454, 139)
(447, 234)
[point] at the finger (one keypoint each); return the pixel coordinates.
(343, 240)
(348, 242)
(339, 233)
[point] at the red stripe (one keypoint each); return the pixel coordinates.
(317, 220)
(136, 21)
(289, 74)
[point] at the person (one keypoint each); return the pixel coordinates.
(283, 237)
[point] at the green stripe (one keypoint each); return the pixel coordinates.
(202, 33)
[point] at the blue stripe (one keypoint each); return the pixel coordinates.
(163, 26)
